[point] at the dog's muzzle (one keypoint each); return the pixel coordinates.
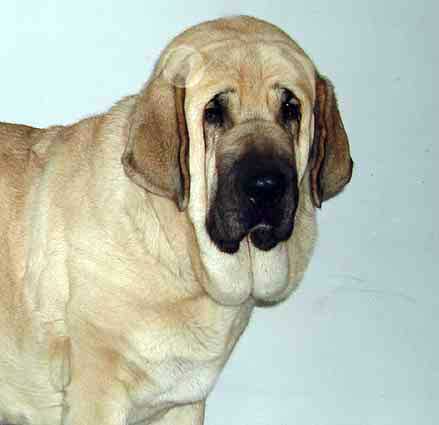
(257, 197)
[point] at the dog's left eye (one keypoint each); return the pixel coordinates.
(213, 113)
(290, 109)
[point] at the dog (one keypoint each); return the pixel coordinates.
(135, 244)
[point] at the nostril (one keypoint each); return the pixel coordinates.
(264, 190)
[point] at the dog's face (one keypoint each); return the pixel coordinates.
(238, 125)
(251, 135)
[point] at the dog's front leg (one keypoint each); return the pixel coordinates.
(89, 405)
(189, 414)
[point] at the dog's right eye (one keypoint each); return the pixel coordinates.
(214, 113)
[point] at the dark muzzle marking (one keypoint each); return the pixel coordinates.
(257, 196)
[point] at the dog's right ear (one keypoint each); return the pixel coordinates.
(156, 155)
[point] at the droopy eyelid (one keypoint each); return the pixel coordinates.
(288, 96)
(220, 97)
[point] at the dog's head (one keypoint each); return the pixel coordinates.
(237, 124)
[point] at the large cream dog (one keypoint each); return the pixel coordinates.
(135, 244)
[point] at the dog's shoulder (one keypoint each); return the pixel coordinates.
(22, 146)
(16, 140)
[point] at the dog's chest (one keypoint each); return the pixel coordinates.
(181, 364)
(186, 381)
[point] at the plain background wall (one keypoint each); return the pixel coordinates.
(357, 344)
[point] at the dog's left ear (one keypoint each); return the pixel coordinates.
(331, 163)
(156, 155)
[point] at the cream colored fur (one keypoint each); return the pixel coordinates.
(115, 307)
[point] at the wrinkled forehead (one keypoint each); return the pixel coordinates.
(254, 68)
(236, 53)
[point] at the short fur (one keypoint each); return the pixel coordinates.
(116, 305)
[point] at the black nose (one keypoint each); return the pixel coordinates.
(265, 189)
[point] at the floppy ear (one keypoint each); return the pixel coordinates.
(331, 163)
(156, 155)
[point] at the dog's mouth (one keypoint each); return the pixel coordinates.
(263, 236)
(253, 200)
